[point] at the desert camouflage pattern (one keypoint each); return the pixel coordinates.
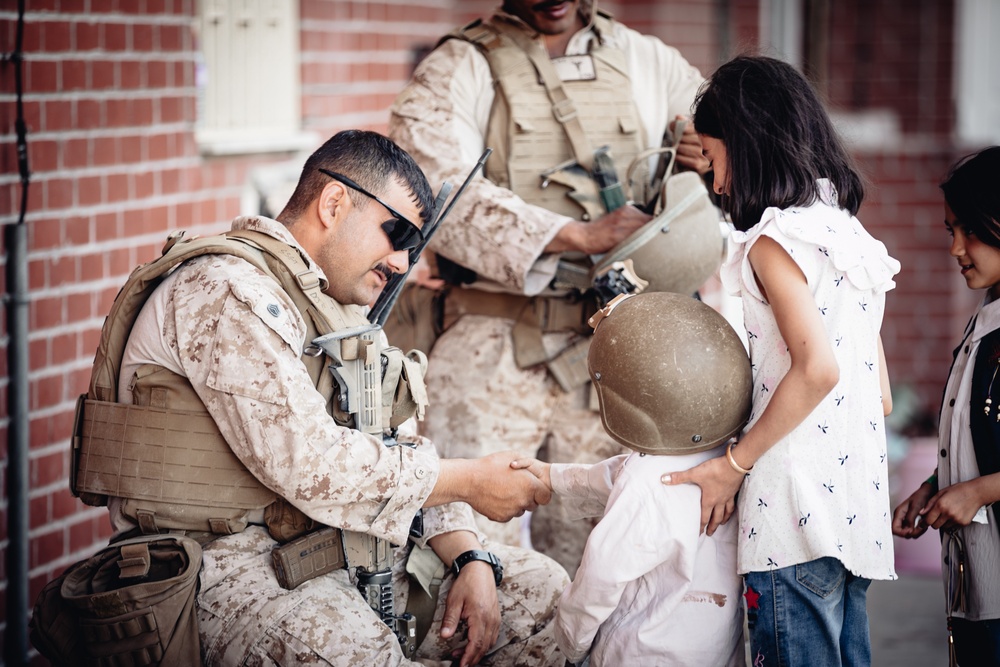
(481, 400)
(246, 618)
(238, 338)
(488, 404)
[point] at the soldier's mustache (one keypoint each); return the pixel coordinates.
(384, 270)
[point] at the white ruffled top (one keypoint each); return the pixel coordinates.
(822, 490)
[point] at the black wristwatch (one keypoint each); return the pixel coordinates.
(464, 559)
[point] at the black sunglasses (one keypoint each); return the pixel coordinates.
(403, 234)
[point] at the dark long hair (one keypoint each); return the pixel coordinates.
(972, 191)
(366, 157)
(778, 137)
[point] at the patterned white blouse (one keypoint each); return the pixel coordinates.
(823, 489)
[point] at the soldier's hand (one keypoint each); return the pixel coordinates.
(600, 235)
(719, 484)
(689, 153)
(501, 493)
(539, 469)
(473, 600)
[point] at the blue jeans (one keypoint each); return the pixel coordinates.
(813, 614)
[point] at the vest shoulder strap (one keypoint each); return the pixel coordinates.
(275, 258)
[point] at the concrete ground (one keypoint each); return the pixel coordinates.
(907, 622)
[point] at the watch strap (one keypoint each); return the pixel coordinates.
(467, 557)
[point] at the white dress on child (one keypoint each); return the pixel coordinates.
(651, 589)
(823, 490)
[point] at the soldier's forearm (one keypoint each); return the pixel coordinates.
(567, 238)
(456, 482)
(448, 546)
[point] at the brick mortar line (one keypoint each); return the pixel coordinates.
(95, 18)
(97, 247)
(93, 55)
(124, 131)
(87, 94)
(141, 166)
(110, 207)
(352, 57)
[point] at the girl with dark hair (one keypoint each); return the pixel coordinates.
(961, 498)
(810, 465)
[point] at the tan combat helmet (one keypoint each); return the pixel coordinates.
(682, 246)
(671, 374)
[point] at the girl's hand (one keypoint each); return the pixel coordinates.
(905, 521)
(719, 483)
(953, 506)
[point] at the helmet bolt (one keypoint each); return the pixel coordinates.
(597, 376)
(695, 438)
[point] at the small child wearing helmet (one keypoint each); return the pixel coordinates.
(674, 382)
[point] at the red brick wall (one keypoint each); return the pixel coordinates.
(882, 56)
(110, 98)
(109, 102)
(926, 311)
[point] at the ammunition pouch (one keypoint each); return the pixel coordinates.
(549, 314)
(133, 603)
(533, 317)
(370, 560)
(404, 394)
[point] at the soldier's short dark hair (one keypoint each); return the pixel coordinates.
(368, 158)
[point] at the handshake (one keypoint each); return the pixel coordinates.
(500, 486)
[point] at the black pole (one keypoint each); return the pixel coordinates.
(16, 635)
(16, 243)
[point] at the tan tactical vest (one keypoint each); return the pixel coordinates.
(164, 455)
(540, 120)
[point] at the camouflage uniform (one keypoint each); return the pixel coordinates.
(238, 338)
(482, 401)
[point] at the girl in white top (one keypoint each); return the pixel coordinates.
(960, 498)
(810, 465)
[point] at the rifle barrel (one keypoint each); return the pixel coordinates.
(390, 293)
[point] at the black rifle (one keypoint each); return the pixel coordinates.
(387, 299)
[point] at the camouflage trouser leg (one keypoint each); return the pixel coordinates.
(528, 597)
(246, 618)
(481, 403)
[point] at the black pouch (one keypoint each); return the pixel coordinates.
(132, 603)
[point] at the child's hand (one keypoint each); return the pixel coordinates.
(906, 519)
(719, 484)
(539, 469)
(953, 506)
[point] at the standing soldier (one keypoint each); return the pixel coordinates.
(544, 84)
